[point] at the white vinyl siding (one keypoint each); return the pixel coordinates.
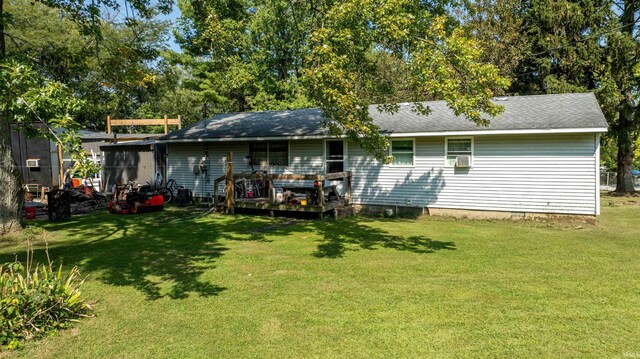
(551, 173)
(183, 157)
(516, 173)
(305, 157)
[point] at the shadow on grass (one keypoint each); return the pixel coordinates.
(165, 254)
(338, 235)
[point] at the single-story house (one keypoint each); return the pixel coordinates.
(540, 156)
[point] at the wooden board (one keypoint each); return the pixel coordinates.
(265, 205)
(144, 122)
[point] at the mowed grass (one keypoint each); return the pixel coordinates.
(175, 285)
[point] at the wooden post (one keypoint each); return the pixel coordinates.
(179, 122)
(108, 124)
(347, 191)
(321, 193)
(61, 170)
(350, 199)
(215, 194)
(166, 124)
(230, 183)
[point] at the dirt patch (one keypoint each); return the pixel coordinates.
(613, 199)
(624, 195)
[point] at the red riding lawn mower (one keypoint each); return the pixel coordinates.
(129, 199)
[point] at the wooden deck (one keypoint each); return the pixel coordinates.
(318, 190)
(264, 205)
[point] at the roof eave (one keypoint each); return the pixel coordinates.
(395, 134)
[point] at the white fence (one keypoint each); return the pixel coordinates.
(608, 181)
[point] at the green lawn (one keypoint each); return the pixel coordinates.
(175, 285)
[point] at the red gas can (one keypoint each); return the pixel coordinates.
(30, 212)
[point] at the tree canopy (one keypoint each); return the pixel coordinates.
(555, 46)
(338, 55)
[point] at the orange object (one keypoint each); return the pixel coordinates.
(76, 182)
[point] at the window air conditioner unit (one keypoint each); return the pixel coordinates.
(33, 163)
(463, 161)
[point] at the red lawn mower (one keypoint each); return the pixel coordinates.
(129, 199)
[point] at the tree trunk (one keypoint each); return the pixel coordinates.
(11, 191)
(624, 135)
(3, 47)
(626, 115)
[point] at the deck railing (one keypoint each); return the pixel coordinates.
(230, 179)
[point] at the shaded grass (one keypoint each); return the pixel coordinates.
(175, 285)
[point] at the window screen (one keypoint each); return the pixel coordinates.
(278, 153)
(271, 153)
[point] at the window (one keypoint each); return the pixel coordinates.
(279, 153)
(32, 163)
(455, 147)
(402, 152)
(271, 153)
(334, 156)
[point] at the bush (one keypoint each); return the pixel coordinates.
(37, 302)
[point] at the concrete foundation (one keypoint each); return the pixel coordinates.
(401, 211)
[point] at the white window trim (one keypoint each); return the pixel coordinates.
(345, 163)
(446, 149)
(37, 160)
(413, 160)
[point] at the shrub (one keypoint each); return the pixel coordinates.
(37, 302)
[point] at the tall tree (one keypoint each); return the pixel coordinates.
(32, 92)
(571, 46)
(28, 98)
(289, 53)
(115, 73)
(622, 79)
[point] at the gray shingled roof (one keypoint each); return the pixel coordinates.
(539, 112)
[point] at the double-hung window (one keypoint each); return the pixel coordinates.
(402, 152)
(273, 153)
(458, 146)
